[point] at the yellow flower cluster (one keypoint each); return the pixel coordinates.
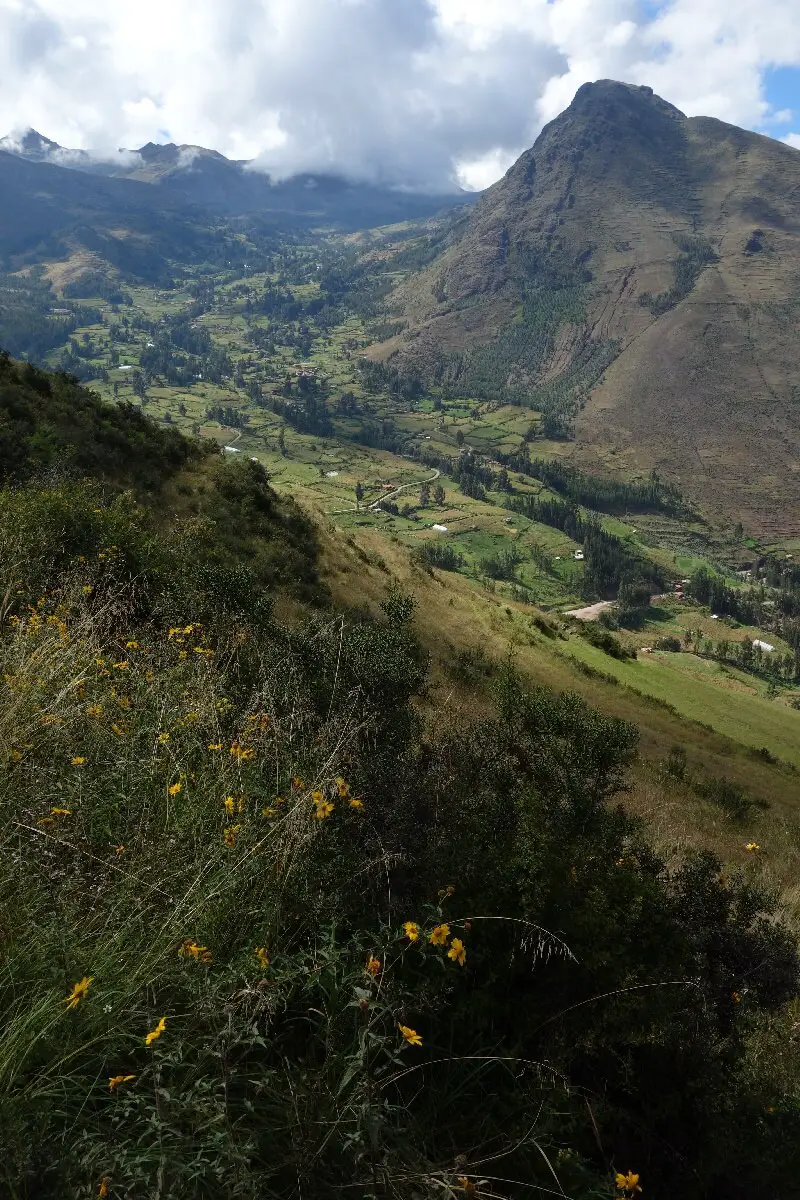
(260, 721)
(272, 810)
(322, 807)
(230, 835)
(191, 949)
(628, 1185)
(179, 635)
(439, 936)
(242, 753)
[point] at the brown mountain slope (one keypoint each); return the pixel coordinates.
(636, 273)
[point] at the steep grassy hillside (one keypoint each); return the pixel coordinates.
(635, 273)
(280, 921)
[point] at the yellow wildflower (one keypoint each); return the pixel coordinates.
(230, 805)
(230, 834)
(411, 930)
(467, 1186)
(354, 802)
(116, 1081)
(87, 589)
(752, 846)
(198, 953)
(124, 701)
(121, 666)
(439, 935)
(628, 1183)
(163, 738)
(297, 783)
(411, 1035)
(131, 645)
(94, 710)
(262, 956)
(156, 1033)
(240, 753)
(105, 1182)
(60, 812)
(118, 730)
(344, 788)
(119, 850)
(215, 746)
(318, 797)
(78, 760)
(323, 809)
(78, 992)
(174, 788)
(457, 951)
(373, 967)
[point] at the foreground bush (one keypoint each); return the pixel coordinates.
(264, 935)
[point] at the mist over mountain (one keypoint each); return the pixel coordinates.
(198, 176)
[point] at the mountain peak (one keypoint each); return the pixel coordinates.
(29, 144)
(608, 94)
(155, 151)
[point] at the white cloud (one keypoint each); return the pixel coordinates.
(792, 139)
(421, 91)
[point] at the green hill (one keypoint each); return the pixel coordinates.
(274, 928)
(634, 276)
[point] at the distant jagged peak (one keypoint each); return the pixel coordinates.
(34, 146)
(29, 143)
(170, 154)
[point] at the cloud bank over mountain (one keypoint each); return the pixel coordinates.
(416, 93)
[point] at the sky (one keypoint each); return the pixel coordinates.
(416, 93)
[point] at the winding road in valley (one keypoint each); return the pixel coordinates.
(373, 505)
